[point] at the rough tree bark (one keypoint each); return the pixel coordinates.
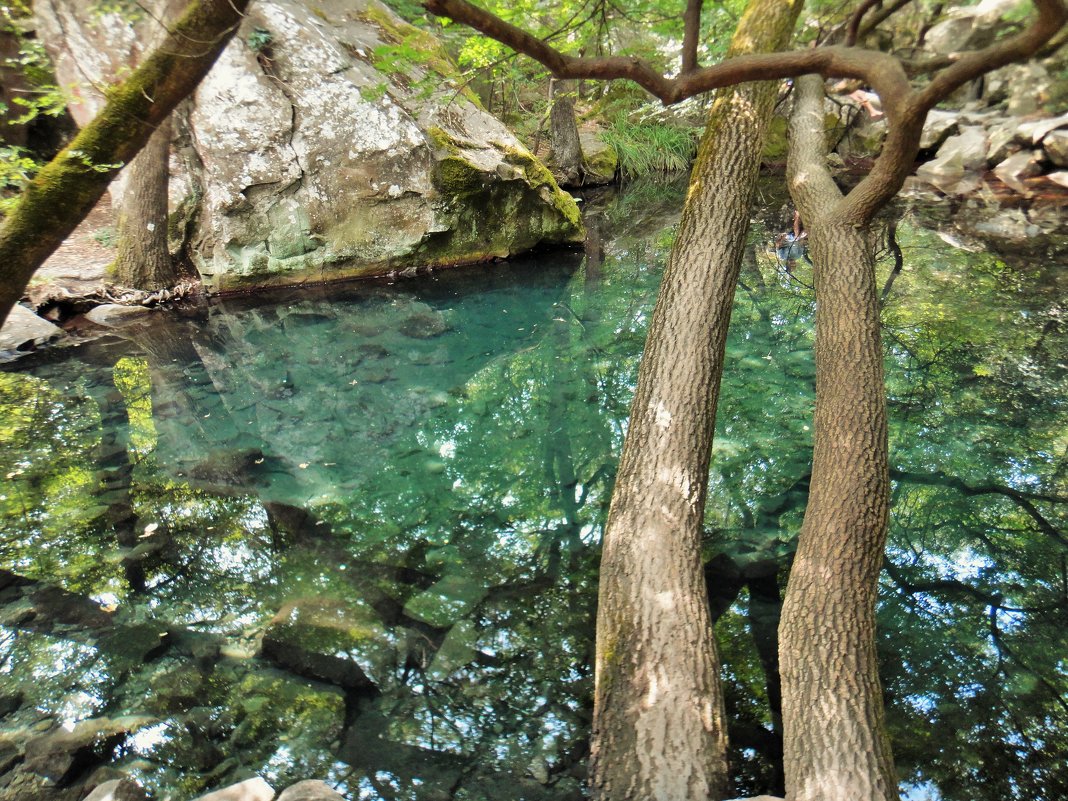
(566, 154)
(837, 748)
(142, 260)
(68, 187)
(659, 730)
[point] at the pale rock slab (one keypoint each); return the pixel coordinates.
(1060, 178)
(113, 315)
(938, 127)
(1013, 170)
(255, 789)
(117, 790)
(310, 791)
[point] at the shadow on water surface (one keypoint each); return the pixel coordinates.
(352, 533)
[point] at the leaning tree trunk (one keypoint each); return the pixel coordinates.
(142, 260)
(835, 741)
(67, 188)
(659, 729)
(566, 153)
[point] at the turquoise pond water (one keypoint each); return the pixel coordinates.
(352, 533)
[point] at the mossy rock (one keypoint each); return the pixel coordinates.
(601, 163)
(776, 145)
(455, 176)
(269, 702)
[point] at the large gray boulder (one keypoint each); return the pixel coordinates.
(968, 27)
(315, 153)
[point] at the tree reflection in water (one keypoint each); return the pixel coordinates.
(355, 536)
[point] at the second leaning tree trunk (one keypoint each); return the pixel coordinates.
(659, 728)
(835, 741)
(142, 260)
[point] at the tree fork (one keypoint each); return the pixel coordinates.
(837, 748)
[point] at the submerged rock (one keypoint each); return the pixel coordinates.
(1009, 225)
(323, 640)
(59, 755)
(316, 152)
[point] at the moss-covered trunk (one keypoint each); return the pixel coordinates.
(68, 187)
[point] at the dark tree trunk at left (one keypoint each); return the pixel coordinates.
(143, 261)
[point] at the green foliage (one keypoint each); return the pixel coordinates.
(480, 52)
(106, 236)
(85, 160)
(259, 39)
(17, 167)
(646, 149)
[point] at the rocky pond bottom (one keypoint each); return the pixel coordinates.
(352, 535)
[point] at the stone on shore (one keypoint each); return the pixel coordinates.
(1017, 167)
(117, 790)
(310, 791)
(23, 330)
(938, 127)
(1055, 145)
(1060, 178)
(255, 789)
(114, 315)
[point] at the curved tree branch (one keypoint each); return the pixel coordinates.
(1052, 14)
(1025, 500)
(906, 108)
(879, 16)
(853, 27)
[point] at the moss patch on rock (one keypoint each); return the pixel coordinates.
(455, 176)
(539, 177)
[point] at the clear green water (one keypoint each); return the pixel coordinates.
(353, 534)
